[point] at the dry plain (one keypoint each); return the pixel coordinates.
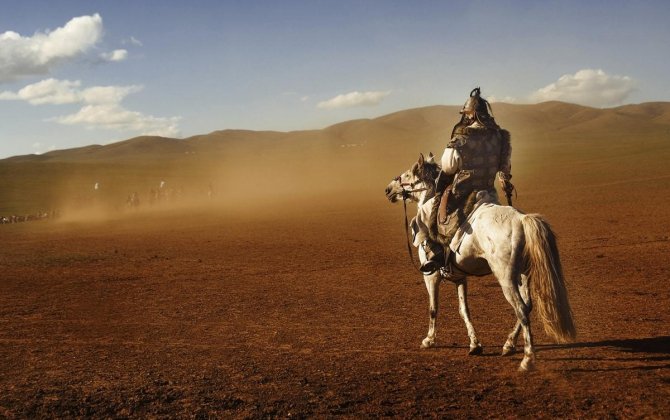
(293, 295)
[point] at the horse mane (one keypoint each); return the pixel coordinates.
(427, 173)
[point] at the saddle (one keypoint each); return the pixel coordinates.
(457, 210)
(451, 212)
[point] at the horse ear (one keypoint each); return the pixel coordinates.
(431, 158)
(430, 154)
(421, 159)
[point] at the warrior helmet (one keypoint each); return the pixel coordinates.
(478, 108)
(475, 108)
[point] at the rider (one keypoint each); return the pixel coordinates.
(479, 149)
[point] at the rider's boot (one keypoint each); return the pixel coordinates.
(434, 257)
(447, 270)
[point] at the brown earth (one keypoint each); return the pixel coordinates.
(316, 311)
(307, 305)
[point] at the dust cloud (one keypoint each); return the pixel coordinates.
(556, 147)
(288, 184)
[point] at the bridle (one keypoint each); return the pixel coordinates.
(405, 194)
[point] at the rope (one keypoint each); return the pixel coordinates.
(409, 246)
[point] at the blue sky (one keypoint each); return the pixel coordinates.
(74, 73)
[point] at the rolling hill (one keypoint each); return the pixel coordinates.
(555, 144)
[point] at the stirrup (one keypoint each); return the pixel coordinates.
(434, 256)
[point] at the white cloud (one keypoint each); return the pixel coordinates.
(352, 99)
(114, 117)
(102, 107)
(505, 99)
(31, 55)
(587, 87)
(107, 94)
(116, 55)
(58, 92)
(49, 91)
(133, 41)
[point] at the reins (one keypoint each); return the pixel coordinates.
(405, 195)
(409, 246)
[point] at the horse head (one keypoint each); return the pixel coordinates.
(416, 183)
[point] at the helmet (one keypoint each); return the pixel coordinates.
(475, 103)
(470, 105)
(478, 108)
(475, 108)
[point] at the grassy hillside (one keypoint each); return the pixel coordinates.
(555, 145)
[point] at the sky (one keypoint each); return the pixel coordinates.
(80, 72)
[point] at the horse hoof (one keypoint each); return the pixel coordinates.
(508, 351)
(526, 364)
(427, 343)
(476, 351)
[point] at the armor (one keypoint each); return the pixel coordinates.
(485, 150)
(480, 152)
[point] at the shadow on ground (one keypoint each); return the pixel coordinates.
(637, 348)
(630, 345)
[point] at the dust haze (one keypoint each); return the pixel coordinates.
(246, 184)
(554, 145)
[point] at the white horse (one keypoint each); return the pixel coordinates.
(519, 249)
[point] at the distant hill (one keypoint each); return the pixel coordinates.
(359, 154)
(420, 125)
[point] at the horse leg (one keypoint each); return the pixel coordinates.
(522, 312)
(509, 348)
(433, 286)
(475, 345)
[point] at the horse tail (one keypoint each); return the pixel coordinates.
(546, 279)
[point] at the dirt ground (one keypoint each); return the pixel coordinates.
(314, 310)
